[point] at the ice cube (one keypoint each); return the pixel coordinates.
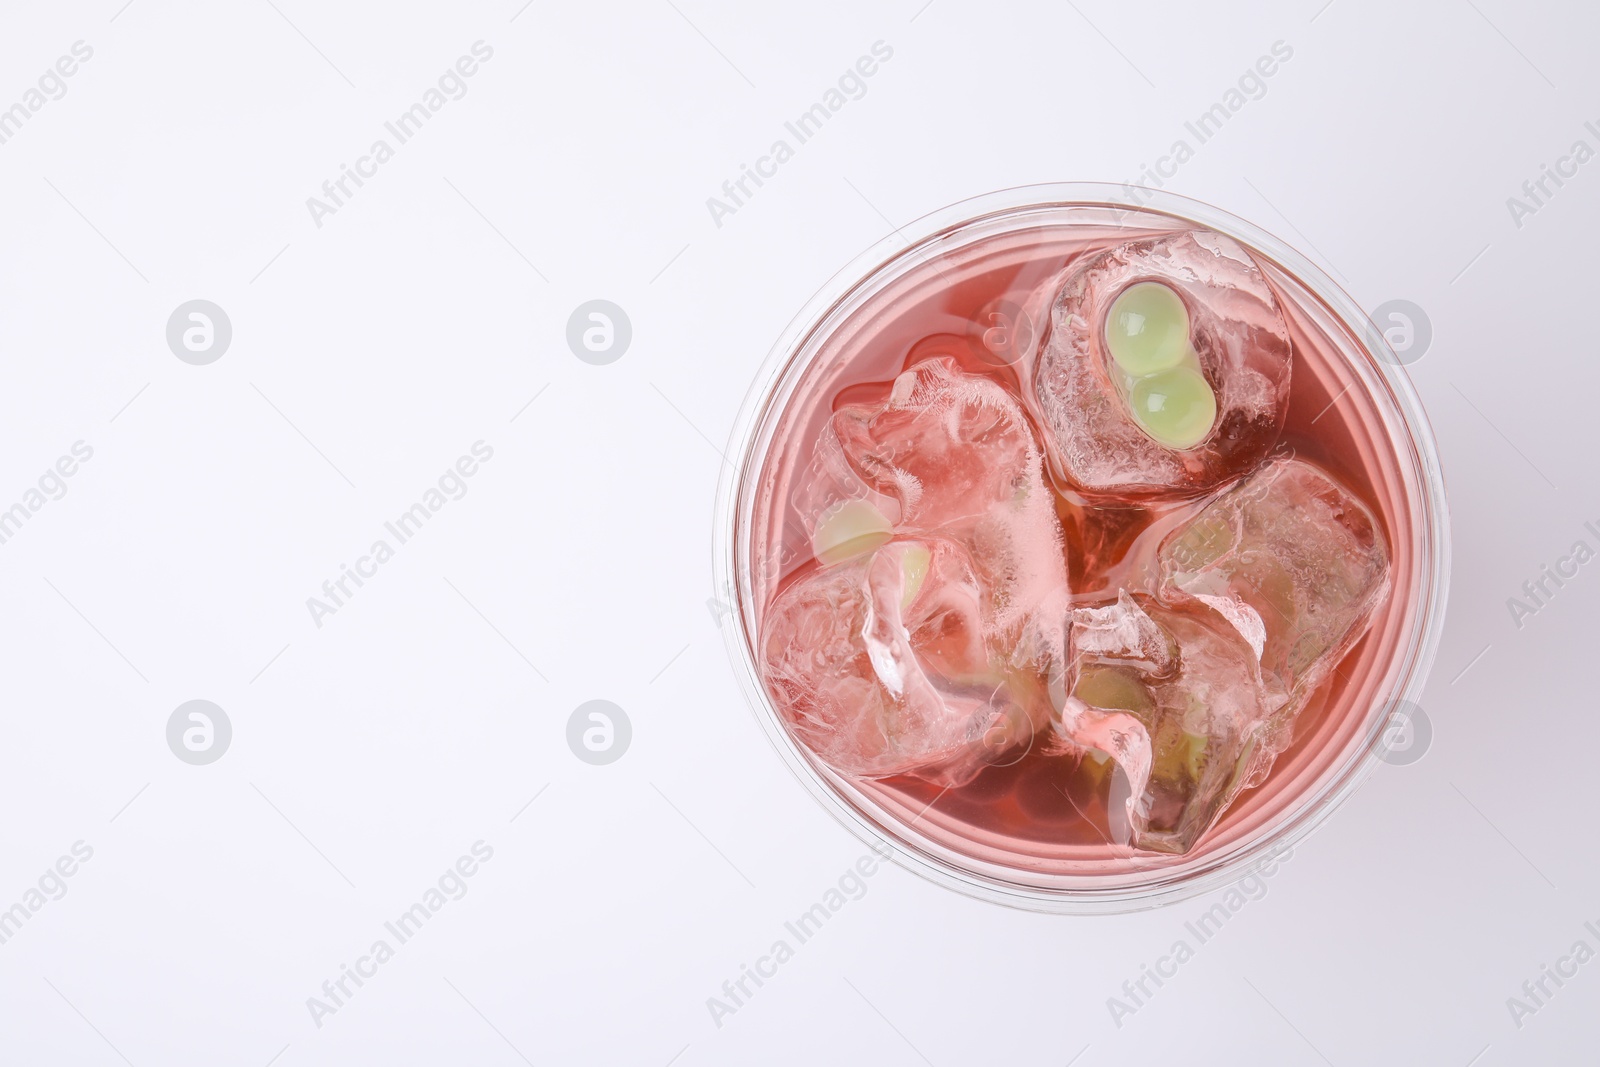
(1135, 412)
(882, 665)
(959, 458)
(948, 445)
(1292, 560)
(1174, 696)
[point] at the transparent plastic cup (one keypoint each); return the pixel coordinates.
(1355, 393)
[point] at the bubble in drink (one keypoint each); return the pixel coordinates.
(848, 529)
(1174, 407)
(1147, 328)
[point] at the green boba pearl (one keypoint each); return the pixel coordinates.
(849, 529)
(914, 567)
(1147, 329)
(1175, 407)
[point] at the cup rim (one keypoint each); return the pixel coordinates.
(1171, 884)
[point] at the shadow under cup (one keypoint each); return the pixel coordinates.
(1016, 835)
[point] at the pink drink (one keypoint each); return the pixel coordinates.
(1035, 822)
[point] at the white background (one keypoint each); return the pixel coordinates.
(368, 354)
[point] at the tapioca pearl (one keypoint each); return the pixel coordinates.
(1175, 407)
(914, 562)
(849, 529)
(1204, 542)
(1184, 756)
(1147, 329)
(1113, 689)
